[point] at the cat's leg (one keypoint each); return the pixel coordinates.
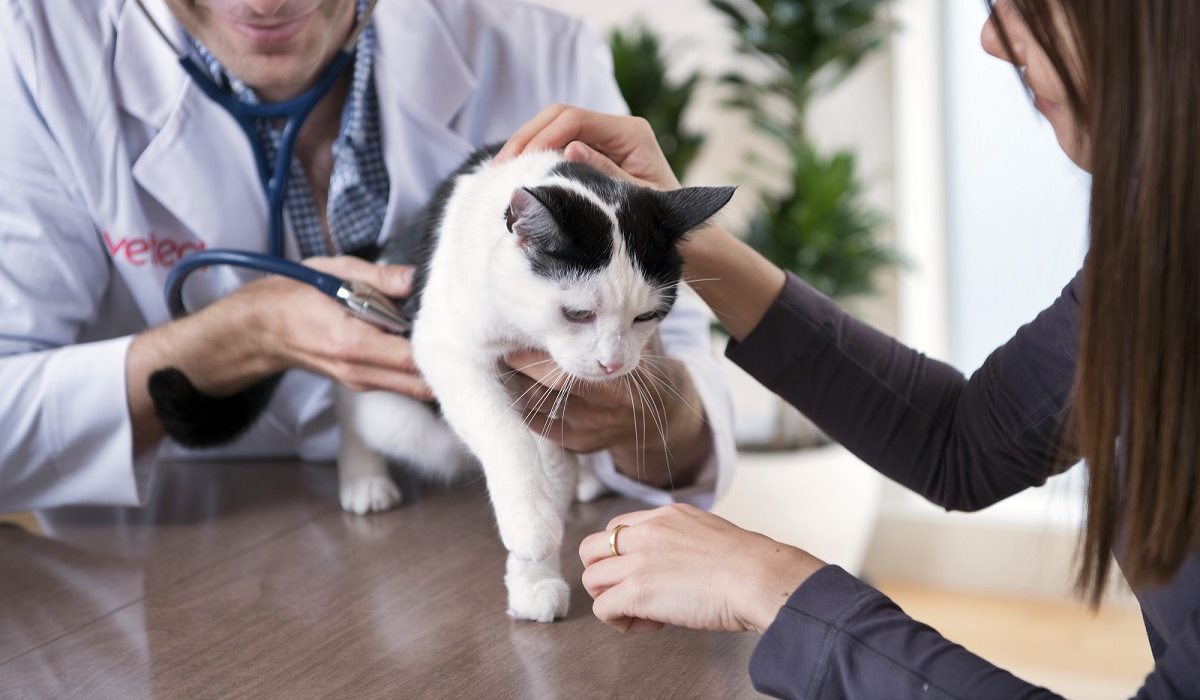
(479, 409)
(363, 482)
(589, 487)
(536, 589)
(412, 433)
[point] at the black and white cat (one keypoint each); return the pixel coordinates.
(532, 253)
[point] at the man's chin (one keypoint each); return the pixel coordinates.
(278, 76)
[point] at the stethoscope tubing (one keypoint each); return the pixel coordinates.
(259, 262)
(295, 111)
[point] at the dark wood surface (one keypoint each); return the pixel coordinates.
(247, 580)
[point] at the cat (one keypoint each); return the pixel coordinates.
(536, 252)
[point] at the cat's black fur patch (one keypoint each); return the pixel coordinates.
(653, 223)
(609, 190)
(584, 242)
(653, 250)
(194, 419)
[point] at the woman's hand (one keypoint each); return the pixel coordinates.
(679, 565)
(616, 145)
(266, 327)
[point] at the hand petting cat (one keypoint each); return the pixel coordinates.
(654, 427)
(618, 146)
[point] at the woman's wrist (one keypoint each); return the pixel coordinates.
(778, 571)
(736, 282)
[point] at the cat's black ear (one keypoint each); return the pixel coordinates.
(531, 221)
(687, 208)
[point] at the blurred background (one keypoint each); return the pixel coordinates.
(884, 157)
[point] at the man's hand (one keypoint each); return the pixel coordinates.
(651, 420)
(269, 326)
(317, 334)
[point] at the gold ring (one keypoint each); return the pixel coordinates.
(612, 541)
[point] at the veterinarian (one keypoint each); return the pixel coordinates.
(116, 165)
(1110, 372)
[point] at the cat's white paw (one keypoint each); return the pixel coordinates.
(544, 601)
(532, 535)
(369, 494)
(589, 488)
(536, 590)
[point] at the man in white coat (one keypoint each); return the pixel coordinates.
(115, 165)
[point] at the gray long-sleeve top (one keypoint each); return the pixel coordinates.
(963, 444)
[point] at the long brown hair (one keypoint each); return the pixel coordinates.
(1134, 88)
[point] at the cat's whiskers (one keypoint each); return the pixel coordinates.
(558, 408)
(664, 382)
(537, 407)
(658, 404)
(637, 452)
(531, 365)
(640, 444)
(532, 387)
(659, 419)
(698, 280)
(562, 424)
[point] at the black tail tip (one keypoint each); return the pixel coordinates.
(196, 420)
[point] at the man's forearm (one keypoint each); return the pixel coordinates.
(218, 349)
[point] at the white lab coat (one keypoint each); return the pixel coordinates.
(112, 163)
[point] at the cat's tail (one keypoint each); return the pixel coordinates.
(194, 419)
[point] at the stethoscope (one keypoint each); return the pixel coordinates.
(360, 299)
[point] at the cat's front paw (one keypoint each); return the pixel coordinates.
(369, 494)
(536, 590)
(533, 536)
(589, 487)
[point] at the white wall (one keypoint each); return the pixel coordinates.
(1017, 207)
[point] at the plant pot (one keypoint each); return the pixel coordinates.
(823, 500)
(762, 420)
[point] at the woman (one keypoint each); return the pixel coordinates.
(1109, 372)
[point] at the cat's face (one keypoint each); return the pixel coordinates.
(603, 264)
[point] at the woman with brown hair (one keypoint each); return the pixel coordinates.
(1110, 372)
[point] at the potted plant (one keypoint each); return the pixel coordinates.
(818, 224)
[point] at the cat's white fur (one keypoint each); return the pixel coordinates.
(482, 301)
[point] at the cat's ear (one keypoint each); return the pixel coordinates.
(686, 209)
(531, 221)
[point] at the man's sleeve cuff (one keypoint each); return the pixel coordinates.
(91, 428)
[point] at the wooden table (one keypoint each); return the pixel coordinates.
(247, 580)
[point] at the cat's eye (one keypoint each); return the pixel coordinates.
(578, 315)
(648, 316)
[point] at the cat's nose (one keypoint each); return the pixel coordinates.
(610, 367)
